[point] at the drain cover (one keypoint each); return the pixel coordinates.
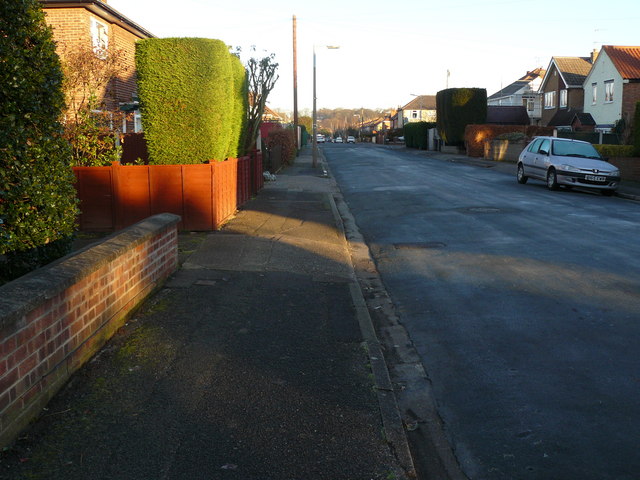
(483, 210)
(417, 245)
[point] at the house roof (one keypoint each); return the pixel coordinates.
(574, 70)
(563, 117)
(519, 84)
(507, 115)
(625, 59)
(421, 102)
(102, 9)
(584, 118)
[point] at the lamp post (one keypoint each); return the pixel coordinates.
(315, 120)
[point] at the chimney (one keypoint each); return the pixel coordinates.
(594, 55)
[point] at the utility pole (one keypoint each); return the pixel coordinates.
(295, 82)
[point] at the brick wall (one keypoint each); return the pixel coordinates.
(54, 319)
(630, 95)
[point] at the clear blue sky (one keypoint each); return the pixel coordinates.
(390, 50)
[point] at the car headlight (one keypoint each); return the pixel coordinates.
(614, 173)
(569, 168)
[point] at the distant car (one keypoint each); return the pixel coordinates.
(320, 138)
(571, 163)
(338, 140)
(351, 139)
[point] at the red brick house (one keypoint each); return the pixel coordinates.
(95, 24)
(562, 90)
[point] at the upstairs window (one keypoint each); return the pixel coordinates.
(608, 91)
(550, 100)
(414, 114)
(99, 37)
(563, 98)
(594, 93)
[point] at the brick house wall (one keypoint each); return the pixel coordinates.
(553, 84)
(72, 25)
(630, 95)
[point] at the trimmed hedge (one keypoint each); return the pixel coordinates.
(38, 204)
(240, 104)
(458, 107)
(416, 134)
(190, 95)
(615, 150)
(476, 135)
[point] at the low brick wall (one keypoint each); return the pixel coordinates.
(629, 167)
(55, 318)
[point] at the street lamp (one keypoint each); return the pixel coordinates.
(315, 121)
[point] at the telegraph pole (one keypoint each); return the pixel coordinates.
(295, 83)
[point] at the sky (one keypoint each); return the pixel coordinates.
(390, 51)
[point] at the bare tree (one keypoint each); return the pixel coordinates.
(261, 78)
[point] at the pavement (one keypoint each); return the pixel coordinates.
(256, 360)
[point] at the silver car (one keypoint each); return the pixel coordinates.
(571, 163)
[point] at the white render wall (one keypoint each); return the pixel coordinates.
(603, 70)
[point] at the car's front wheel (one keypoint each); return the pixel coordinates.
(552, 179)
(522, 178)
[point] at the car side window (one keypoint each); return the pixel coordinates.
(535, 145)
(544, 147)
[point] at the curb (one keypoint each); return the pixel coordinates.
(389, 411)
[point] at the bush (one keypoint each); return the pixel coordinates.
(457, 108)
(286, 139)
(416, 134)
(38, 204)
(240, 104)
(188, 99)
(609, 151)
(476, 135)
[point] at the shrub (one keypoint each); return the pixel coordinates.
(457, 108)
(286, 139)
(615, 150)
(476, 135)
(240, 104)
(416, 134)
(187, 96)
(37, 198)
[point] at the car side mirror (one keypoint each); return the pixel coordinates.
(543, 152)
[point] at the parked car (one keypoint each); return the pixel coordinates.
(320, 138)
(571, 163)
(351, 139)
(338, 140)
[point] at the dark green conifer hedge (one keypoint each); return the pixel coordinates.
(416, 134)
(189, 99)
(457, 108)
(37, 198)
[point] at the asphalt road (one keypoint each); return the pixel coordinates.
(523, 304)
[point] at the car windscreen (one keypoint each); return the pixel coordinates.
(574, 149)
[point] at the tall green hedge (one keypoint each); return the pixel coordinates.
(416, 134)
(240, 103)
(189, 99)
(457, 108)
(37, 198)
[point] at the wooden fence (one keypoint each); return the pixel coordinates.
(205, 195)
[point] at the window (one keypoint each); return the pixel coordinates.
(414, 114)
(594, 93)
(137, 121)
(550, 100)
(563, 98)
(99, 37)
(608, 91)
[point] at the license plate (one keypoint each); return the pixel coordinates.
(594, 178)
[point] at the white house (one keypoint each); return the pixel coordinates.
(612, 87)
(523, 91)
